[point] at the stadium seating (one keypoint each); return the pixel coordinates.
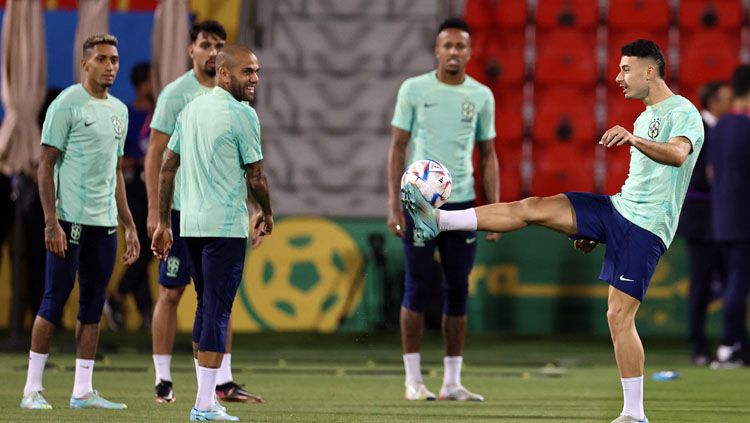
(707, 56)
(564, 115)
(642, 15)
(572, 14)
(494, 14)
(566, 57)
(509, 114)
(618, 161)
(698, 15)
(560, 168)
(510, 158)
(621, 111)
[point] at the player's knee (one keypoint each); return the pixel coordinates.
(619, 319)
(455, 301)
(90, 311)
(528, 209)
(51, 310)
(171, 296)
(416, 295)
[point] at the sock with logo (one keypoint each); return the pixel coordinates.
(83, 380)
(458, 220)
(412, 365)
(632, 392)
(36, 373)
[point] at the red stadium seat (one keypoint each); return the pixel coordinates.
(621, 111)
(708, 56)
(560, 168)
(491, 14)
(645, 15)
(479, 14)
(696, 15)
(564, 115)
(509, 157)
(618, 162)
(574, 14)
(497, 58)
(509, 114)
(566, 57)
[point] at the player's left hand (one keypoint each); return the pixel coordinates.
(132, 246)
(615, 136)
(492, 236)
(162, 242)
(584, 245)
(257, 221)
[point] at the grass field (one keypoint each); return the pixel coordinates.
(348, 378)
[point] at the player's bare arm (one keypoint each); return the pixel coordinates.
(396, 164)
(54, 236)
(162, 240)
(258, 193)
(157, 143)
(132, 246)
(673, 153)
(489, 169)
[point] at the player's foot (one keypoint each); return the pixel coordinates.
(232, 392)
(35, 401)
(214, 415)
(165, 392)
(94, 400)
(418, 392)
(425, 224)
(628, 419)
(458, 393)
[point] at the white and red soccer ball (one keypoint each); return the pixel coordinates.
(432, 178)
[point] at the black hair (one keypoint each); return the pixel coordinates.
(741, 80)
(209, 27)
(709, 91)
(140, 73)
(646, 49)
(454, 23)
(95, 40)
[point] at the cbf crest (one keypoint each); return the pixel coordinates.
(468, 110)
(173, 266)
(654, 127)
(75, 233)
(117, 126)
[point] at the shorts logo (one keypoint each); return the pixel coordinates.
(624, 279)
(653, 128)
(117, 125)
(471, 240)
(75, 233)
(468, 109)
(173, 266)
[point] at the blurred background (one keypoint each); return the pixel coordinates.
(330, 73)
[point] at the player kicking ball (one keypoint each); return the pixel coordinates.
(637, 224)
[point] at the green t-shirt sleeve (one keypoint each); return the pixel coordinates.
(121, 145)
(486, 120)
(165, 115)
(174, 140)
(56, 127)
(246, 131)
(688, 125)
(403, 116)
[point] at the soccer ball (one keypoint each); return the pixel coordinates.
(432, 178)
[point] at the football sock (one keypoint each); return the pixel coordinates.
(632, 392)
(84, 374)
(206, 389)
(413, 368)
(452, 370)
(458, 220)
(197, 367)
(35, 373)
(225, 371)
(163, 364)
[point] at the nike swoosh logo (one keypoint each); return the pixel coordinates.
(624, 279)
(111, 231)
(87, 124)
(430, 104)
(471, 240)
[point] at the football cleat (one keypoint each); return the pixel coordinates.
(35, 401)
(458, 393)
(232, 392)
(94, 400)
(214, 415)
(423, 214)
(628, 419)
(165, 392)
(418, 392)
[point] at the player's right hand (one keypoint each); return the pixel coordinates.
(162, 242)
(584, 245)
(55, 240)
(152, 221)
(396, 222)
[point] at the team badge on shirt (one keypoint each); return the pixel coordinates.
(118, 127)
(468, 109)
(653, 128)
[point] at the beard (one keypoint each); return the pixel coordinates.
(237, 89)
(209, 71)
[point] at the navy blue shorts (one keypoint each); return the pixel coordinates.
(217, 265)
(91, 254)
(175, 272)
(457, 252)
(632, 252)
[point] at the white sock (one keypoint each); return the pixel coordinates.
(452, 370)
(197, 372)
(225, 371)
(84, 374)
(458, 220)
(413, 368)
(206, 389)
(632, 392)
(35, 373)
(163, 366)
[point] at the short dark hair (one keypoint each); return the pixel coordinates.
(140, 73)
(646, 49)
(209, 27)
(709, 91)
(741, 80)
(454, 23)
(97, 39)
